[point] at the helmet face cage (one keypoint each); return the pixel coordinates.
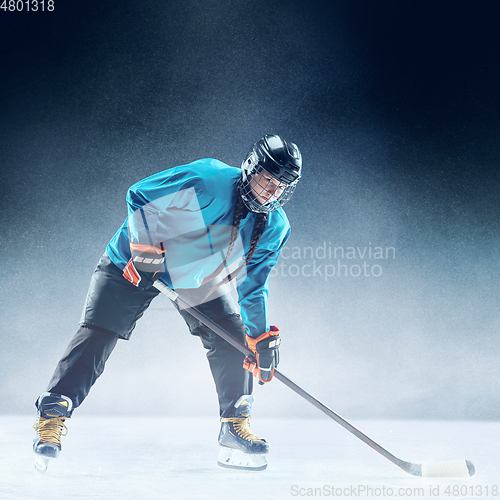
(260, 190)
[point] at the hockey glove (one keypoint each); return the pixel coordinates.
(266, 354)
(146, 265)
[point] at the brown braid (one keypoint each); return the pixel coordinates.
(238, 214)
(258, 229)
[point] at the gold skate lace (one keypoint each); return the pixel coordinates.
(242, 427)
(50, 430)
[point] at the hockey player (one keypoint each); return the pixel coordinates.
(195, 227)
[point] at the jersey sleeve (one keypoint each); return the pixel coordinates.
(253, 291)
(143, 218)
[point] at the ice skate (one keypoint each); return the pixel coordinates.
(240, 447)
(53, 410)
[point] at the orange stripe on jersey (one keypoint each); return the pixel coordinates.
(146, 248)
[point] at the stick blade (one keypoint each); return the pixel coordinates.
(455, 468)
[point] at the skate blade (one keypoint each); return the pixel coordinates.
(236, 459)
(41, 464)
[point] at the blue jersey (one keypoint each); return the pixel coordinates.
(189, 211)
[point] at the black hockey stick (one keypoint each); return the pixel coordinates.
(455, 468)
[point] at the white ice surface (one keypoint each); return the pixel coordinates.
(166, 458)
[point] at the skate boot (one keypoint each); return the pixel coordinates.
(53, 410)
(240, 447)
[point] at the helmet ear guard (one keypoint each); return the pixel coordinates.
(281, 161)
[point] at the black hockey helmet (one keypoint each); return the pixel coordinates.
(282, 162)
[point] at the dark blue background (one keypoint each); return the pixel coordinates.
(395, 107)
